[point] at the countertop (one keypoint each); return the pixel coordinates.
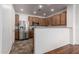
(50, 27)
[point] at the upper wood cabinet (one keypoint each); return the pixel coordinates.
(46, 22)
(33, 20)
(16, 19)
(17, 24)
(36, 19)
(43, 22)
(63, 18)
(57, 20)
(39, 21)
(54, 20)
(49, 21)
(30, 20)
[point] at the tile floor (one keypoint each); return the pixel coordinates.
(23, 47)
(67, 49)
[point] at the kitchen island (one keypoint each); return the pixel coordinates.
(50, 38)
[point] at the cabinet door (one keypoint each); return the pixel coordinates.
(31, 34)
(54, 20)
(43, 21)
(49, 21)
(46, 22)
(17, 24)
(30, 20)
(16, 19)
(63, 18)
(40, 21)
(17, 34)
(35, 19)
(57, 18)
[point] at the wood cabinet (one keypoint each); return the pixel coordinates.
(17, 34)
(31, 34)
(16, 19)
(43, 22)
(46, 22)
(63, 18)
(33, 20)
(30, 20)
(53, 20)
(49, 19)
(17, 25)
(56, 20)
(40, 21)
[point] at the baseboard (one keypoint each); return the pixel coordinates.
(11, 47)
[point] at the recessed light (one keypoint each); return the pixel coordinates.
(21, 9)
(34, 12)
(44, 14)
(52, 9)
(40, 6)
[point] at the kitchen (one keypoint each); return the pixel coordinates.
(32, 19)
(25, 24)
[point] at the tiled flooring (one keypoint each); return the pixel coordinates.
(23, 47)
(26, 47)
(68, 49)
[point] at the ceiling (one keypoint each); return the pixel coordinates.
(44, 11)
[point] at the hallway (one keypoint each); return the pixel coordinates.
(23, 47)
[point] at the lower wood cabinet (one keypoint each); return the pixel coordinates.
(17, 34)
(31, 34)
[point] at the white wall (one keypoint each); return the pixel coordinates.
(70, 16)
(47, 39)
(8, 26)
(0, 28)
(77, 24)
(71, 19)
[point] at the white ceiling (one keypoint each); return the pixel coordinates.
(30, 8)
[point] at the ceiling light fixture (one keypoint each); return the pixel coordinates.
(52, 9)
(40, 6)
(34, 12)
(21, 9)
